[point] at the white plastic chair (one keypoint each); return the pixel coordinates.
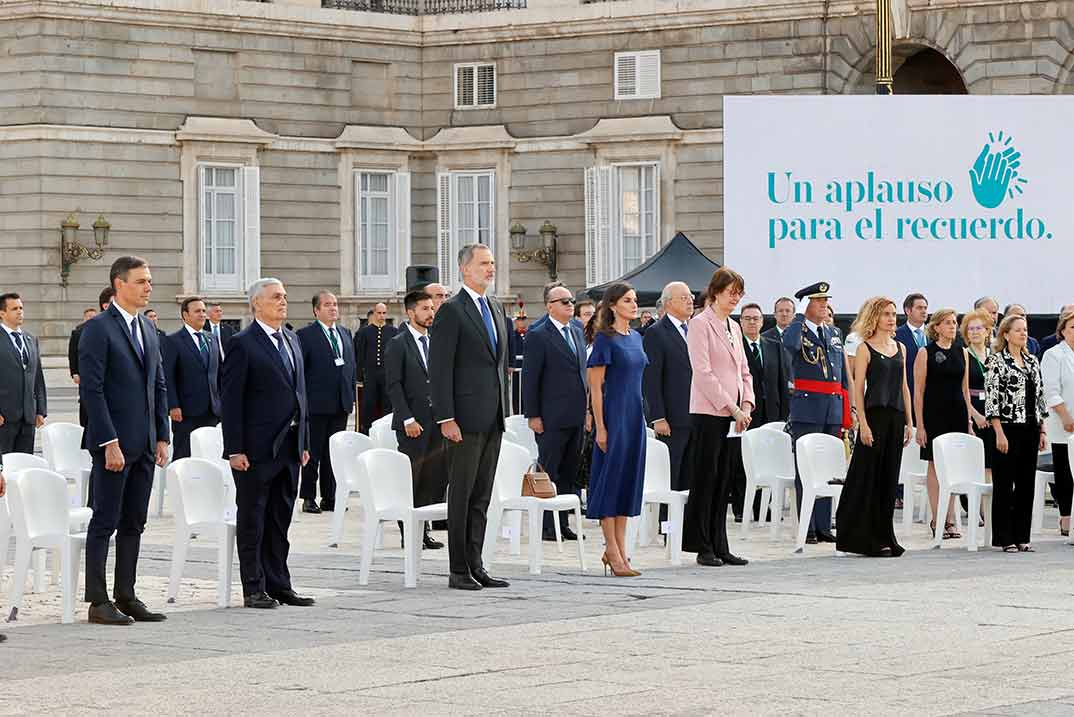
(821, 458)
(507, 495)
(382, 434)
(160, 482)
(205, 493)
(390, 498)
(1043, 480)
(649, 432)
(344, 448)
(769, 464)
(913, 477)
(208, 443)
(523, 434)
(61, 445)
(960, 469)
(656, 491)
(40, 512)
(517, 423)
(775, 425)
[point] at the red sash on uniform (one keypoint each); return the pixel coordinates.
(832, 388)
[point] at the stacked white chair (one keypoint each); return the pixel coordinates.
(649, 432)
(206, 499)
(382, 434)
(387, 499)
(208, 443)
(160, 481)
(656, 491)
(507, 495)
(61, 445)
(959, 459)
(517, 423)
(1070, 447)
(913, 477)
(1040, 489)
(40, 512)
(344, 448)
(775, 425)
(821, 458)
(769, 463)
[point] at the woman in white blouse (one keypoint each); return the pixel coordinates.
(1057, 370)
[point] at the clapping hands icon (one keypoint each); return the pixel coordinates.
(994, 175)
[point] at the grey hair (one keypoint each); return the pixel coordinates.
(980, 302)
(665, 295)
(258, 286)
(552, 285)
(466, 254)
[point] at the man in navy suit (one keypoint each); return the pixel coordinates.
(192, 372)
(912, 333)
(1052, 339)
(266, 434)
(215, 326)
(328, 353)
(122, 387)
(554, 396)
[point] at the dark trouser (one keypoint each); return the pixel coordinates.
(265, 499)
(471, 469)
(181, 431)
(375, 402)
(322, 427)
(427, 465)
(1014, 476)
(558, 451)
(737, 482)
(705, 530)
(17, 437)
(821, 520)
(120, 504)
(1063, 488)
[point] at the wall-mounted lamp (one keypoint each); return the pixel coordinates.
(71, 251)
(546, 254)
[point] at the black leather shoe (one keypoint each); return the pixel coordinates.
(431, 543)
(108, 614)
(733, 560)
(825, 537)
(261, 601)
(289, 597)
(462, 582)
(328, 506)
(487, 581)
(309, 505)
(811, 539)
(568, 534)
(137, 609)
(709, 560)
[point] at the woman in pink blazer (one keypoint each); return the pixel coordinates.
(721, 398)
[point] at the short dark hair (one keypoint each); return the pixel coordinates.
(122, 266)
(5, 297)
(413, 298)
(149, 311)
(911, 299)
(317, 298)
(369, 313)
(723, 278)
(751, 306)
(781, 299)
(185, 306)
(582, 302)
(105, 297)
(548, 289)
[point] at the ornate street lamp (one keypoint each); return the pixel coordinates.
(71, 251)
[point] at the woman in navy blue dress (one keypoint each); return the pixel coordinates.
(615, 371)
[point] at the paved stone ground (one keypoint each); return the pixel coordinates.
(934, 632)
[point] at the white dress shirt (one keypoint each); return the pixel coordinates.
(328, 331)
(215, 330)
(127, 319)
(477, 302)
(417, 340)
(271, 334)
(11, 337)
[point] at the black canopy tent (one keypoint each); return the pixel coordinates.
(678, 260)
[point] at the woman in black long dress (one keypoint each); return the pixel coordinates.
(864, 522)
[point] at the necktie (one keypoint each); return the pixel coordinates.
(425, 349)
(288, 368)
(919, 338)
(203, 348)
(755, 351)
(487, 316)
(137, 341)
(335, 342)
(685, 329)
(570, 341)
(22, 348)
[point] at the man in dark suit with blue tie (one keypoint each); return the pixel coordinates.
(328, 355)
(23, 399)
(122, 387)
(192, 372)
(266, 432)
(912, 333)
(554, 397)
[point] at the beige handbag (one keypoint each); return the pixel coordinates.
(537, 484)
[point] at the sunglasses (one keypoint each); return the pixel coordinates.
(565, 302)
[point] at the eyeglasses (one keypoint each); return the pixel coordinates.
(565, 302)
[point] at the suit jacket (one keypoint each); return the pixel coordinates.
(226, 334)
(407, 379)
(370, 342)
(666, 382)
(193, 387)
(329, 388)
(721, 373)
(72, 349)
(1046, 343)
(119, 390)
(905, 336)
(22, 390)
(772, 381)
(259, 401)
(554, 378)
(469, 377)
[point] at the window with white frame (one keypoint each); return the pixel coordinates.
(622, 218)
(466, 214)
(382, 228)
(637, 75)
(229, 226)
(475, 86)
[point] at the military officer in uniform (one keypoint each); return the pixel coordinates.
(370, 343)
(820, 401)
(517, 346)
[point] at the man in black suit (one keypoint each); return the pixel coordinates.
(369, 344)
(407, 373)
(266, 434)
(122, 386)
(23, 402)
(554, 397)
(215, 326)
(666, 381)
(3, 490)
(191, 370)
(783, 313)
(468, 370)
(151, 314)
(103, 302)
(328, 353)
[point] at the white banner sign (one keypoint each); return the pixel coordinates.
(954, 197)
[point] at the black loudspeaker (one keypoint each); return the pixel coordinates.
(418, 275)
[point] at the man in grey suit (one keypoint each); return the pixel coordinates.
(468, 373)
(22, 382)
